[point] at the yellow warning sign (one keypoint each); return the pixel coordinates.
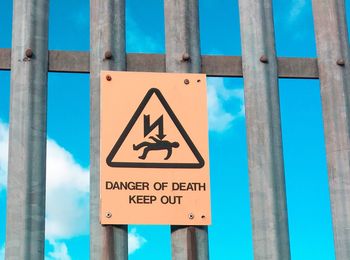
(154, 149)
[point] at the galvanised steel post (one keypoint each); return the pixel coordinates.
(183, 55)
(25, 228)
(107, 40)
(334, 68)
(266, 170)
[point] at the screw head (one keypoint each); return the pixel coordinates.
(341, 62)
(263, 59)
(186, 57)
(108, 55)
(108, 215)
(108, 78)
(187, 81)
(29, 53)
(191, 216)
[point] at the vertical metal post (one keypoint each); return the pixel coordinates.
(334, 68)
(25, 234)
(183, 55)
(266, 171)
(107, 40)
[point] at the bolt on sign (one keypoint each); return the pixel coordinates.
(154, 149)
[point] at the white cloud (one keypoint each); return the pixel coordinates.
(67, 195)
(59, 251)
(67, 190)
(135, 241)
(4, 136)
(221, 119)
(296, 9)
(2, 252)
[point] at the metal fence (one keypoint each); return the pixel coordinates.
(30, 61)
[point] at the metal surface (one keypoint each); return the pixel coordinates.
(66, 61)
(5, 59)
(213, 66)
(146, 62)
(265, 159)
(25, 227)
(107, 27)
(31, 61)
(191, 244)
(334, 66)
(298, 68)
(182, 39)
(182, 36)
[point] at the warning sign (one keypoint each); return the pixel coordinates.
(154, 149)
(154, 138)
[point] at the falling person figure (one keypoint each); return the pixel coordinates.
(158, 145)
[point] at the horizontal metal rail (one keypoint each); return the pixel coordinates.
(213, 66)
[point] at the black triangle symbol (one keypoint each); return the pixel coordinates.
(118, 144)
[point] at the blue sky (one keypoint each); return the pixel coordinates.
(230, 234)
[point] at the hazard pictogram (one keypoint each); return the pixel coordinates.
(154, 138)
